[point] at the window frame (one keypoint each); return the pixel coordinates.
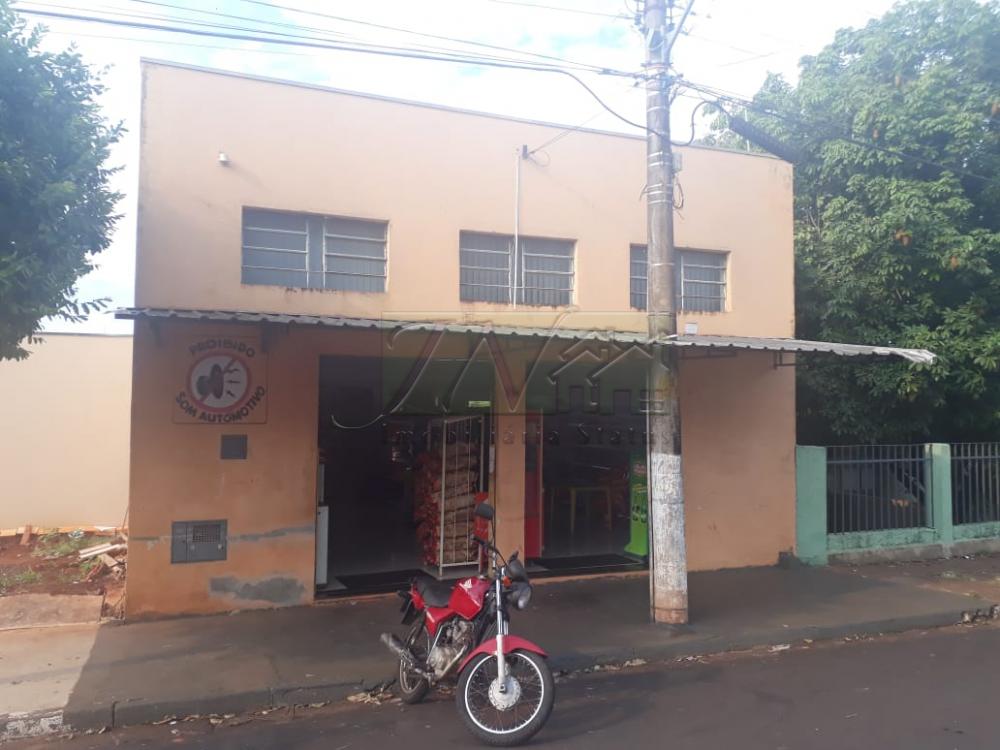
(316, 271)
(516, 269)
(383, 259)
(506, 271)
(680, 279)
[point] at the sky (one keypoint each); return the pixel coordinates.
(729, 44)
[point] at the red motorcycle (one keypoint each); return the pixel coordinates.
(505, 688)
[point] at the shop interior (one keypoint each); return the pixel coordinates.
(396, 490)
(399, 481)
(593, 465)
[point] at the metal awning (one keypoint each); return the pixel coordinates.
(920, 356)
(700, 341)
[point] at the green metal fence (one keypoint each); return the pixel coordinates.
(877, 487)
(858, 498)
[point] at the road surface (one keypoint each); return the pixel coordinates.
(932, 690)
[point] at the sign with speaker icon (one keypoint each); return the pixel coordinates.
(223, 381)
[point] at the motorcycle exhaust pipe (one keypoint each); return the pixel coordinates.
(397, 647)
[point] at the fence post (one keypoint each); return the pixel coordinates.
(940, 491)
(810, 504)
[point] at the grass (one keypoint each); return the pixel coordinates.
(87, 565)
(59, 545)
(14, 579)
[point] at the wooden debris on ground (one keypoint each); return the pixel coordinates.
(110, 556)
(101, 549)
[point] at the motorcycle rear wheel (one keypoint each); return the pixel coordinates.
(412, 688)
(483, 709)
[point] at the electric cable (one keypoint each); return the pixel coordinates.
(319, 14)
(694, 112)
(345, 47)
(563, 133)
(311, 42)
(118, 13)
(580, 11)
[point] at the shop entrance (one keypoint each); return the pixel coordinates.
(395, 492)
(590, 512)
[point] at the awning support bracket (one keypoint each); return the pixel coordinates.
(779, 360)
(154, 326)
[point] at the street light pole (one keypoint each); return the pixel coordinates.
(668, 555)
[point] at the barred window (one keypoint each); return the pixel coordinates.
(699, 279)
(484, 267)
(638, 270)
(313, 252)
(545, 272)
(354, 255)
(275, 248)
(542, 273)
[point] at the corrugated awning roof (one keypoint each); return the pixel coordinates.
(701, 341)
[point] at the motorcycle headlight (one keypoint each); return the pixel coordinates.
(523, 597)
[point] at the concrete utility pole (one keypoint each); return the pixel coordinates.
(668, 596)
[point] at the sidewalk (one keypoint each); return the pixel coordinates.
(137, 673)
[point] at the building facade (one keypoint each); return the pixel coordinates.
(356, 317)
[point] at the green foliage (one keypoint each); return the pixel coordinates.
(56, 207)
(12, 579)
(88, 565)
(59, 545)
(897, 221)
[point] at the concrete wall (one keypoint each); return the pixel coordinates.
(64, 436)
(738, 444)
(738, 433)
(430, 173)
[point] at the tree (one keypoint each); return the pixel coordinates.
(56, 206)
(897, 221)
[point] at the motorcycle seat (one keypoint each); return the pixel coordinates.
(434, 593)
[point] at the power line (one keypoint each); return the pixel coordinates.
(363, 49)
(313, 42)
(565, 132)
(219, 14)
(227, 27)
(147, 40)
(267, 4)
(121, 13)
(560, 9)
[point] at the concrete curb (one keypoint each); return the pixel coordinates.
(668, 649)
(130, 713)
(17, 726)
(664, 648)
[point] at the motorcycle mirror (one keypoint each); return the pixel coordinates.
(485, 510)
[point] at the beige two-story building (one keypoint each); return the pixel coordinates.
(356, 317)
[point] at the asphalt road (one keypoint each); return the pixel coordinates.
(933, 690)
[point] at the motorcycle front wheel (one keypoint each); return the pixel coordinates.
(509, 716)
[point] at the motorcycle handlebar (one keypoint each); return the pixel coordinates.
(484, 543)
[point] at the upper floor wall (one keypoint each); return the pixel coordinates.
(429, 181)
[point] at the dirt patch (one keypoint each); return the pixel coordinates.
(49, 565)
